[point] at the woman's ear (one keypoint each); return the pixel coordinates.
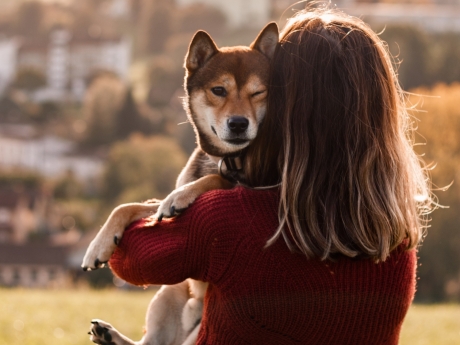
(200, 50)
(267, 40)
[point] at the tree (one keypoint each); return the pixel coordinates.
(29, 79)
(423, 59)
(155, 25)
(409, 45)
(165, 78)
(111, 112)
(439, 127)
(129, 120)
(446, 48)
(68, 187)
(141, 168)
(18, 180)
(103, 100)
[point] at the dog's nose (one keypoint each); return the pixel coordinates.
(238, 124)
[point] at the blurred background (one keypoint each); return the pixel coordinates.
(91, 117)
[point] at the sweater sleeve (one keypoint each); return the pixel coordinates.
(155, 253)
(195, 244)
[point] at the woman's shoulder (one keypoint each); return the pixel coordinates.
(241, 190)
(237, 197)
(233, 214)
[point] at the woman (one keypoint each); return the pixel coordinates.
(328, 256)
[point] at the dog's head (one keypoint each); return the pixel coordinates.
(227, 89)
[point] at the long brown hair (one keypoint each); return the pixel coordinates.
(338, 137)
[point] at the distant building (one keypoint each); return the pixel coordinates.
(32, 54)
(95, 54)
(437, 16)
(118, 8)
(51, 156)
(434, 16)
(69, 62)
(254, 13)
(34, 266)
(21, 213)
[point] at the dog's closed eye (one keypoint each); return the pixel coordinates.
(219, 91)
(258, 93)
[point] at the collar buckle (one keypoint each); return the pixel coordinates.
(233, 167)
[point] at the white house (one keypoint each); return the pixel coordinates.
(48, 155)
(57, 69)
(254, 13)
(8, 57)
(97, 53)
(68, 62)
(118, 8)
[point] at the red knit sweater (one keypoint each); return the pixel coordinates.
(267, 296)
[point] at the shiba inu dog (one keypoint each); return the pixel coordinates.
(226, 89)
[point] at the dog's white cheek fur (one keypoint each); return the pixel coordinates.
(205, 117)
(260, 114)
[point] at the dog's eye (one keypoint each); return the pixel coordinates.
(219, 91)
(257, 93)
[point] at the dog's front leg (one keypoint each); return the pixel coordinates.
(182, 197)
(105, 242)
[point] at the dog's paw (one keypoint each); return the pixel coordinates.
(100, 250)
(176, 202)
(102, 333)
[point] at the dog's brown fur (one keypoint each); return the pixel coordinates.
(225, 123)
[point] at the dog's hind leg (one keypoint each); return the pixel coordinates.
(164, 316)
(163, 321)
(104, 333)
(193, 311)
(192, 337)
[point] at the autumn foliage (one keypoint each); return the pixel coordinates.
(436, 113)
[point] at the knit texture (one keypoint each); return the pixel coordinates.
(267, 296)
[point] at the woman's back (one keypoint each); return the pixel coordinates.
(261, 295)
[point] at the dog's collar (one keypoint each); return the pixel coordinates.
(234, 170)
(229, 167)
(232, 165)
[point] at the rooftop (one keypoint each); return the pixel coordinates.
(33, 254)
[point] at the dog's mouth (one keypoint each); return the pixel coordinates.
(237, 141)
(232, 141)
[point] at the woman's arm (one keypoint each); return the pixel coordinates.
(156, 254)
(198, 244)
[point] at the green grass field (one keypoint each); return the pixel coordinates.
(52, 317)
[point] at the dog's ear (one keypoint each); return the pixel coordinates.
(200, 50)
(266, 40)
